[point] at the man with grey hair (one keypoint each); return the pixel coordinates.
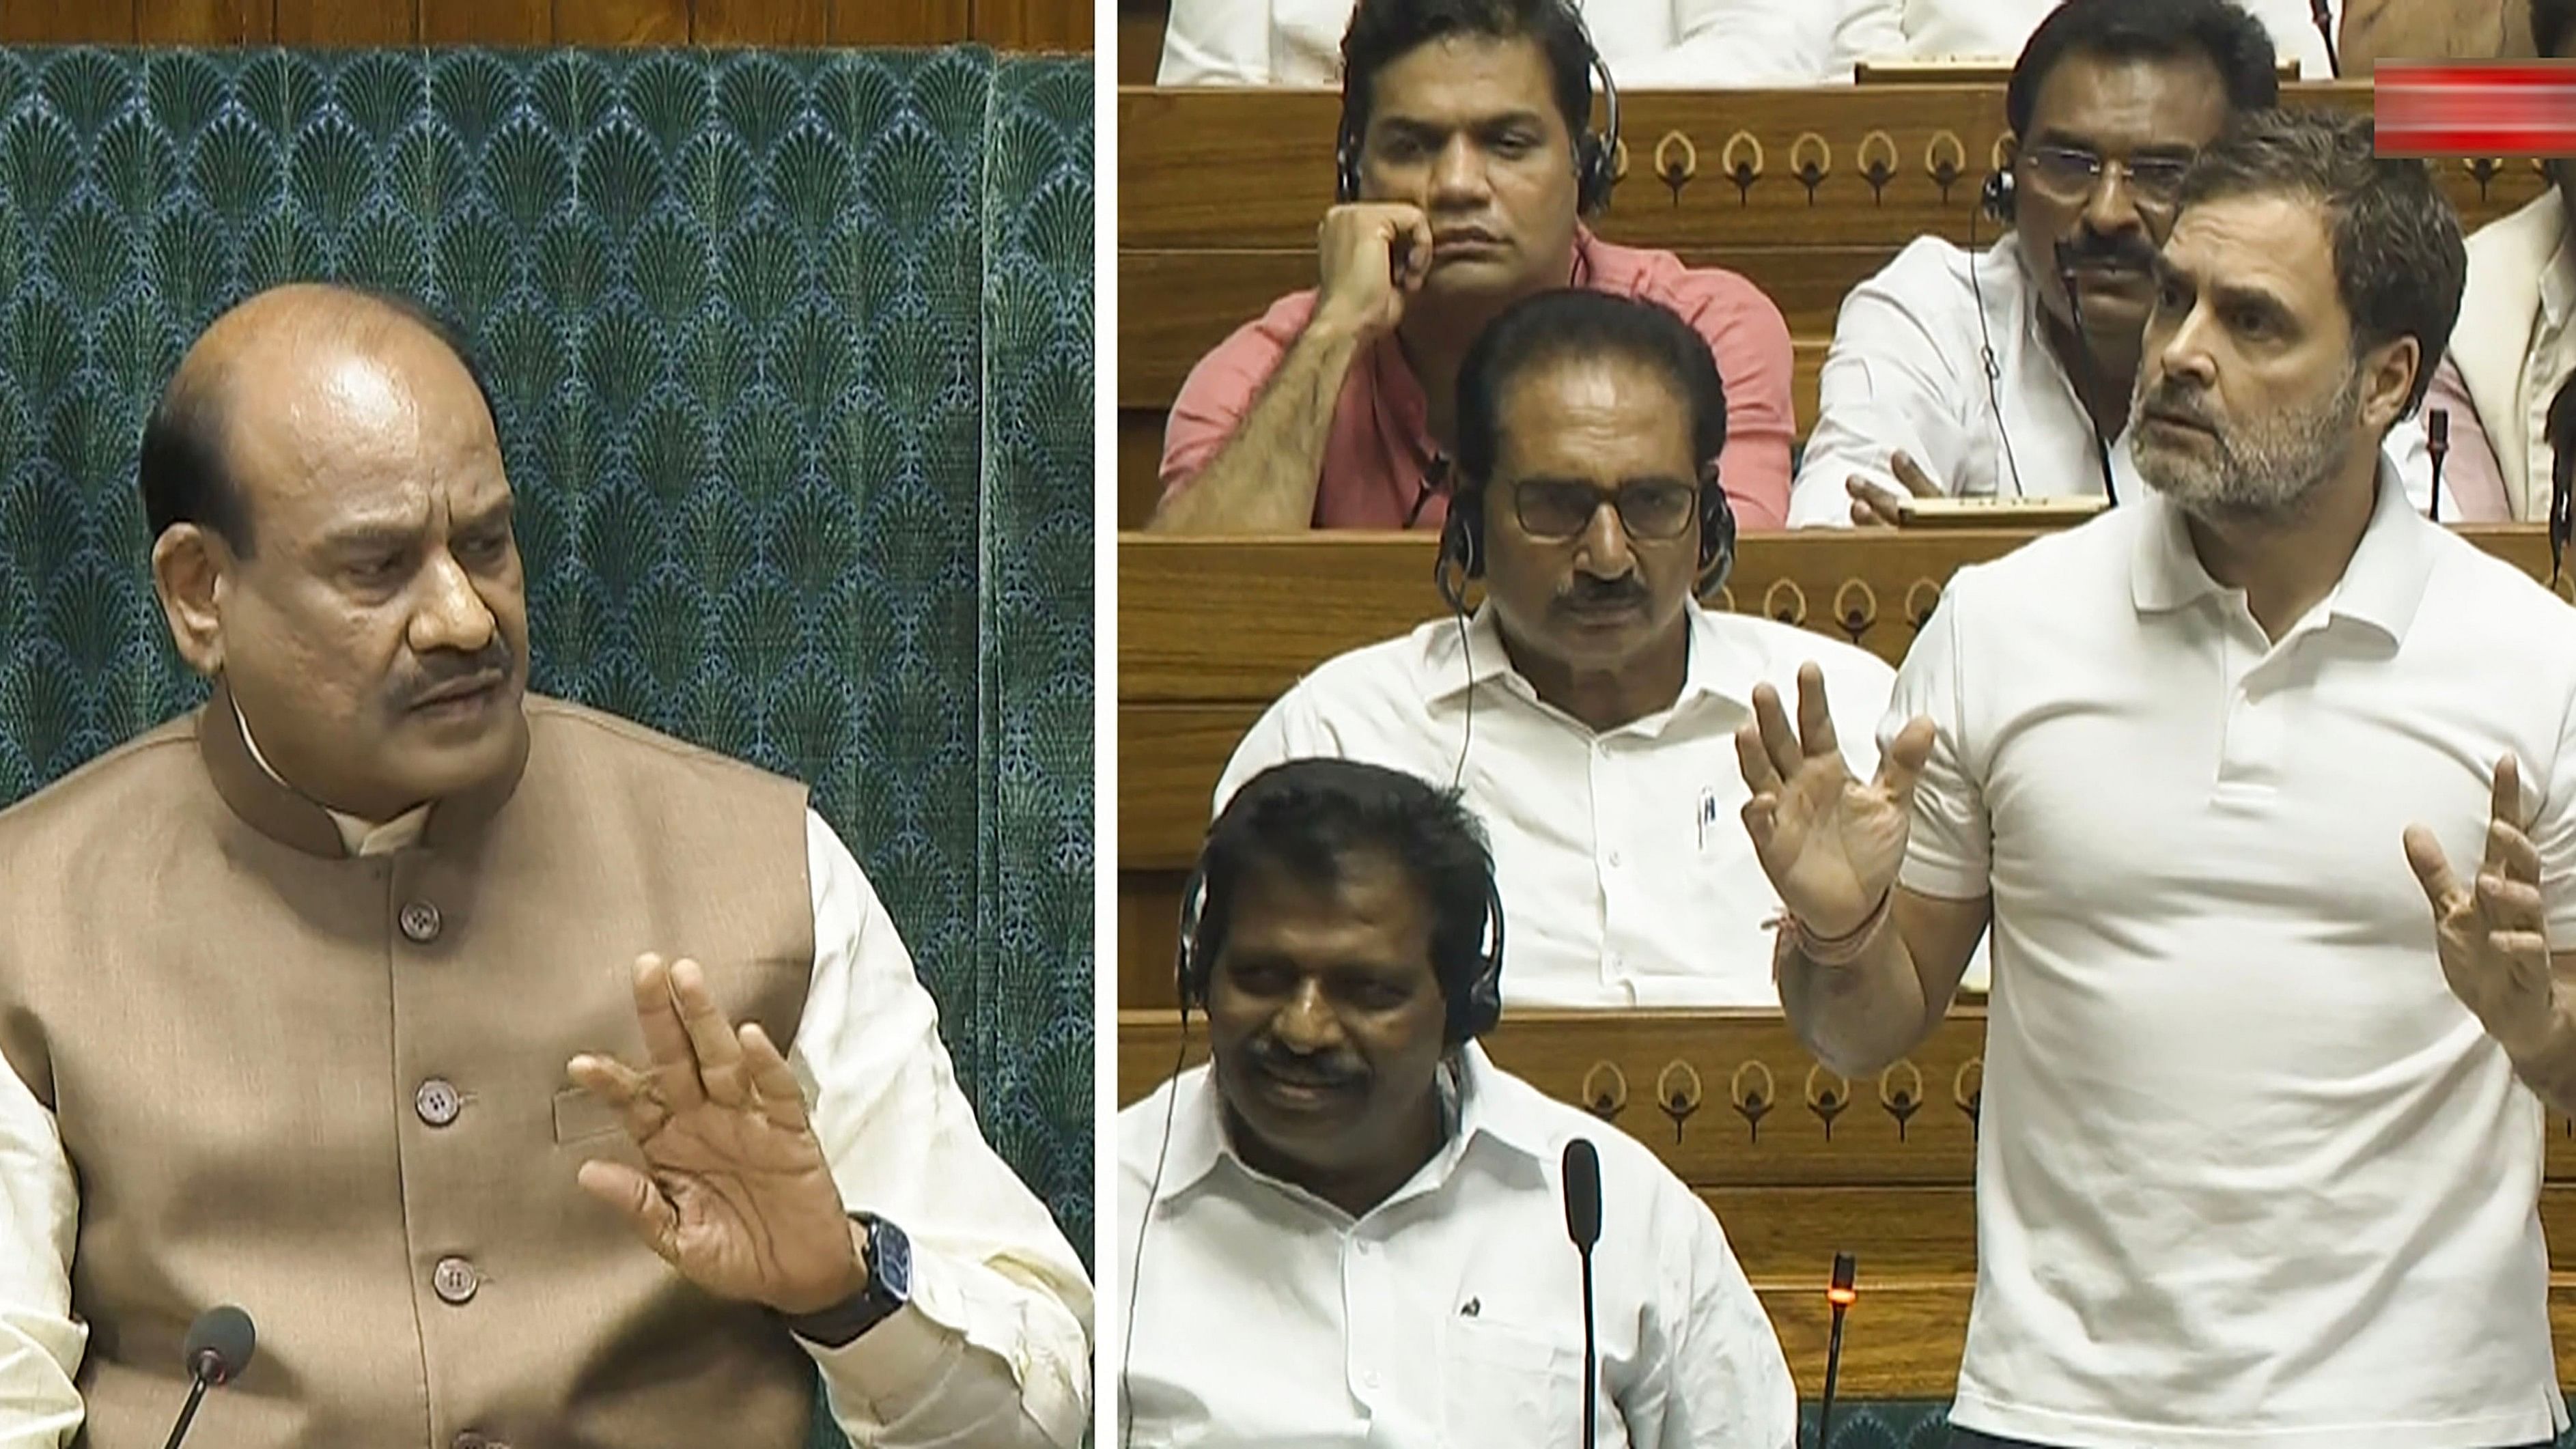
(2261, 1147)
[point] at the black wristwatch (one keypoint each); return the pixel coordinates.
(889, 1263)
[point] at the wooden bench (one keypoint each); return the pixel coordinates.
(1805, 192)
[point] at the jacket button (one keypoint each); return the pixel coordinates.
(437, 1101)
(455, 1280)
(420, 923)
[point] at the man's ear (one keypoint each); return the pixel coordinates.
(2388, 374)
(191, 567)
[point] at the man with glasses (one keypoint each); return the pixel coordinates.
(1587, 709)
(2007, 372)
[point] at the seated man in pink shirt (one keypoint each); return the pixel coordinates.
(1467, 159)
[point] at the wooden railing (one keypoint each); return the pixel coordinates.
(1805, 192)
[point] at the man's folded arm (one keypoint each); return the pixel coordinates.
(40, 1342)
(995, 1346)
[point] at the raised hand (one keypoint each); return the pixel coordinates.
(1876, 507)
(1831, 844)
(737, 1194)
(1372, 255)
(2491, 932)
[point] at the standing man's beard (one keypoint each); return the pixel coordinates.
(2265, 470)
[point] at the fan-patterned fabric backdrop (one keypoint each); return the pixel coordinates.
(792, 358)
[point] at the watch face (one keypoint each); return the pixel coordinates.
(892, 1265)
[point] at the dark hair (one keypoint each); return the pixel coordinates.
(2234, 42)
(2551, 21)
(1384, 31)
(183, 473)
(1309, 816)
(1554, 326)
(2399, 261)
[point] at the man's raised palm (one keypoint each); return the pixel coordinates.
(1831, 844)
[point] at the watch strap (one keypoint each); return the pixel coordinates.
(889, 1263)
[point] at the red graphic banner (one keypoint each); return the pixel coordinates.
(2524, 108)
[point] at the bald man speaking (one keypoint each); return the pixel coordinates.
(530, 1077)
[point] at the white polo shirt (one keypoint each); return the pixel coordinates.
(1626, 875)
(1449, 1315)
(1906, 373)
(2248, 1174)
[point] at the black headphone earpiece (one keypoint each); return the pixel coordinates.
(1716, 535)
(1596, 153)
(1470, 1014)
(1997, 197)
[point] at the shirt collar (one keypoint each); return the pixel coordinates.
(2381, 586)
(1477, 1099)
(1450, 665)
(2558, 282)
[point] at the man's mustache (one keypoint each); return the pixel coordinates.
(2175, 403)
(1317, 1071)
(1588, 592)
(2119, 249)
(448, 668)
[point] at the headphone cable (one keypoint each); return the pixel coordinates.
(1986, 353)
(1145, 1222)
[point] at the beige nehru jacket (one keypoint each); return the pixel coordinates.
(2377, 30)
(234, 1027)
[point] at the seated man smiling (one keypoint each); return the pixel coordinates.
(1349, 1229)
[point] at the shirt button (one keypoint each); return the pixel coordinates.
(437, 1102)
(455, 1280)
(1614, 860)
(1369, 1378)
(420, 922)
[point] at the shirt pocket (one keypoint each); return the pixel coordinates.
(1509, 1386)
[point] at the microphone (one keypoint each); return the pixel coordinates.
(2084, 350)
(2319, 12)
(2562, 473)
(1840, 1293)
(1583, 1225)
(2437, 441)
(218, 1348)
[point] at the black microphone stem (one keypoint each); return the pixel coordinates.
(2084, 352)
(196, 1392)
(1591, 1395)
(1833, 1369)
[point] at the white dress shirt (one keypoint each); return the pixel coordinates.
(1648, 44)
(995, 1347)
(1449, 1315)
(1626, 875)
(2249, 1176)
(1996, 30)
(1906, 373)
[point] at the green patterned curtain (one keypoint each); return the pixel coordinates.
(792, 356)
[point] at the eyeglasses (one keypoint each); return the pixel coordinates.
(2066, 172)
(1556, 511)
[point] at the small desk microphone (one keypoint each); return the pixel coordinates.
(1840, 1294)
(219, 1347)
(1583, 1225)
